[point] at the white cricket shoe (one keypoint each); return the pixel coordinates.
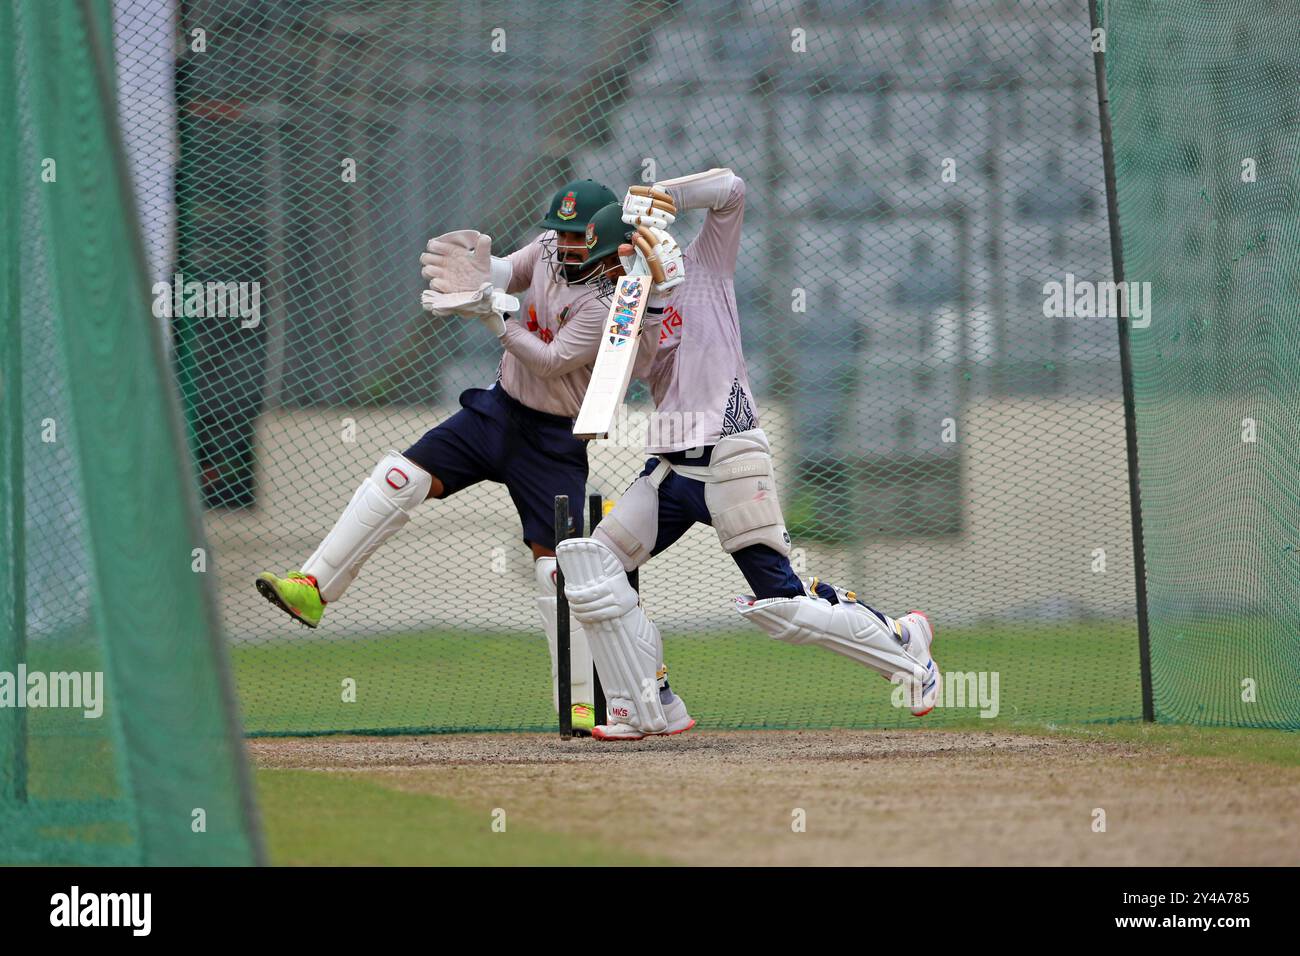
(920, 638)
(679, 721)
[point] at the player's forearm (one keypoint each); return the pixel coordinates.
(707, 190)
(547, 360)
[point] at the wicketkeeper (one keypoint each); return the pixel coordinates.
(518, 432)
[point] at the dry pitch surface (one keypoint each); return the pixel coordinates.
(867, 797)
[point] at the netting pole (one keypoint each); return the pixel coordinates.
(1126, 370)
(13, 552)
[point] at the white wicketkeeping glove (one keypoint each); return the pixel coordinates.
(648, 206)
(486, 304)
(458, 268)
(458, 261)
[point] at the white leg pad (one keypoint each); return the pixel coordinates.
(848, 629)
(580, 667)
(624, 642)
(380, 507)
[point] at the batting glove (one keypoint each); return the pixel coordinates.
(648, 206)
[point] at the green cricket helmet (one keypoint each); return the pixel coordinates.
(572, 207)
(605, 233)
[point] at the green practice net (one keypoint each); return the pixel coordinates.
(917, 173)
(1206, 127)
(118, 740)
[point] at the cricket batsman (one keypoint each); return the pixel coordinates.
(711, 463)
(518, 432)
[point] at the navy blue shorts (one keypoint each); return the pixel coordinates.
(496, 438)
(681, 504)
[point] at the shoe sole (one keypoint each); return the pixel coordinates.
(267, 591)
(668, 733)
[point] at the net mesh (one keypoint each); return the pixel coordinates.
(1206, 130)
(916, 172)
(117, 736)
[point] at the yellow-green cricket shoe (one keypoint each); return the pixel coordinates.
(295, 593)
(583, 718)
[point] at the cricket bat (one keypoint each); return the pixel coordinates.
(613, 369)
